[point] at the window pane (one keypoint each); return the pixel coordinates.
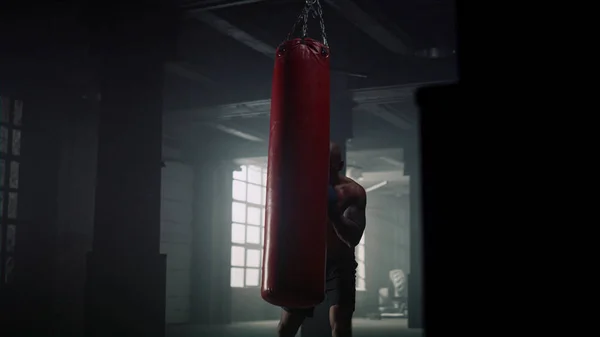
(4, 108)
(251, 277)
(360, 253)
(238, 233)
(253, 258)
(16, 142)
(11, 238)
(14, 175)
(237, 256)
(13, 199)
(253, 217)
(237, 277)
(254, 194)
(238, 212)
(264, 178)
(360, 270)
(255, 175)
(241, 174)
(18, 112)
(262, 223)
(9, 267)
(264, 196)
(238, 190)
(2, 172)
(253, 235)
(360, 284)
(3, 139)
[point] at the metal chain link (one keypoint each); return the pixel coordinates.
(322, 23)
(303, 17)
(305, 11)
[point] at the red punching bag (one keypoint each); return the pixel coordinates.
(298, 174)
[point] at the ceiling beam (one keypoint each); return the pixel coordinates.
(394, 152)
(172, 128)
(228, 29)
(381, 112)
(370, 26)
(389, 176)
(388, 94)
(375, 152)
(347, 8)
(257, 150)
(236, 132)
(209, 5)
(376, 186)
(187, 71)
(377, 95)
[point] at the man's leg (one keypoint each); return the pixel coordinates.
(341, 293)
(291, 320)
(340, 318)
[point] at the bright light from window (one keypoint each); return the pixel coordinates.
(238, 233)
(255, 175)
(248, 218)
(241, 174)
(255, 194)
(252, 277)
(360, 253)
(238, 212)
(239, 190)
(253, 258)
(237, 277)
(360, 269)
(253, 216)
(238, 256)
(253, 235)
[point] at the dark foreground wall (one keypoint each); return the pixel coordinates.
(27, 298)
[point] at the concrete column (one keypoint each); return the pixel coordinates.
(341, 132)
(211, 290)
(125, 288)
(415, 277)
(202, 245)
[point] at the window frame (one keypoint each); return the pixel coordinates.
(8, 109)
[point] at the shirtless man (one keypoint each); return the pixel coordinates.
(347, 202)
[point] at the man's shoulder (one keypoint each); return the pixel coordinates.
(354, 188)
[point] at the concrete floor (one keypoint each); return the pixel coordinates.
(361, 328)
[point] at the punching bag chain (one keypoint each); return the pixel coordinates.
(309, 8)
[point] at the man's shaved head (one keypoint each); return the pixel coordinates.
(336, 162)
(335, 153)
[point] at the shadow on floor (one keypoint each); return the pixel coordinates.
(361, 328)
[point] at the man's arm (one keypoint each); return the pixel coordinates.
(350, 226)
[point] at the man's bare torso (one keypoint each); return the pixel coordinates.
(349, 193)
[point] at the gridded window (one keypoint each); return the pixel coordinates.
(11, 114)
(247, 225)
(247, 229)
(360, 260)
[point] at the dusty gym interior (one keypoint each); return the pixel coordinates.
(139, 148)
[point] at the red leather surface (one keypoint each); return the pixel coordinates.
(298, 166)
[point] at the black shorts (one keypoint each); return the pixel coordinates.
(340, 288)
